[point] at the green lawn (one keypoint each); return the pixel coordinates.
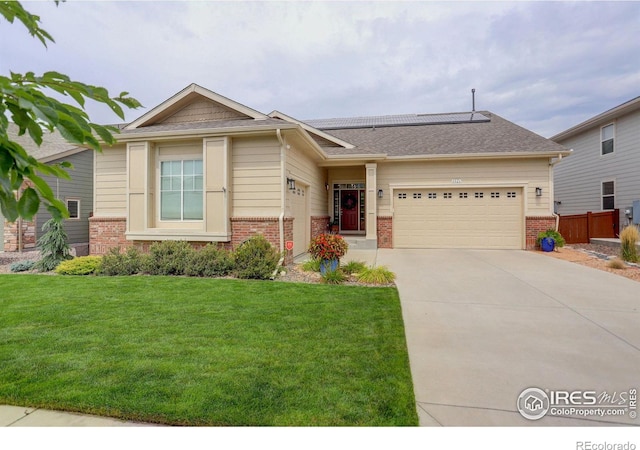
(205, 351)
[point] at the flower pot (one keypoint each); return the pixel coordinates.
(328, 265)
(547, 244)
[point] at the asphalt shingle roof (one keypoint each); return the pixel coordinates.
(52, 143)
(496, 135)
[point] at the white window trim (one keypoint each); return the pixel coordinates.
(73, 199)
(614, 139)
(184, 157)
(602, 194)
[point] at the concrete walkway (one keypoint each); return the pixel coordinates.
(482, 326)
(17, 416)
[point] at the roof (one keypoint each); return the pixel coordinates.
(53, 146)
(599, 120)
(490, 135)
(210, 124)
(397, 120)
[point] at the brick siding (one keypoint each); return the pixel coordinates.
(385, 232)
(319, 225)
(535, 225)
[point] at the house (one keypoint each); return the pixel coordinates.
(77, 193)
(203, 168)
(603, 172)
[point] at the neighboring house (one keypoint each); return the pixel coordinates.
(603, 172)
(76, 193)
(203, 168)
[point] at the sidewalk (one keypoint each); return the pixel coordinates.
(20, 416)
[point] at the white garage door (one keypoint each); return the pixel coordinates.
(458, 218)
(298, 199)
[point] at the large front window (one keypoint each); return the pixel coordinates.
(181, 190)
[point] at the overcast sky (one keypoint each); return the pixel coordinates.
(543, 65)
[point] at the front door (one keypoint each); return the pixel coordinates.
(349, 210)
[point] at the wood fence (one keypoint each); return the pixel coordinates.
(580, 228)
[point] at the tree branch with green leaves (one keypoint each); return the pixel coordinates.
(24, 102)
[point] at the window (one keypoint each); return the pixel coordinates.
(181, 190)
(73, 205)
(448, 195)
(511, 195)
(402, 195)
(417, 195)
(608, 195)
(433, 195)
(495, 195)
(606, 138)
(479, 195)
(462, 195)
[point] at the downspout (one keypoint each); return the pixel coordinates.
(283, 193)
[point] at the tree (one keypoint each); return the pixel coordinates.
(23, 100)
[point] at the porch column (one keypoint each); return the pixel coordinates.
(372, 201)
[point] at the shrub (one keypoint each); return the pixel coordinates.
(628, 238)
(256, 258)
(551, 233)
(334, 276)
(616, 263)
(168, 258)
(354, 267)
(116, 262)
(53, 246)
(209, 261)
(377, 275)
(84, 265)
(311, 265)
(328, 246)
(22, 266)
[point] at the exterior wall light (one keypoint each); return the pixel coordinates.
(291, 184)
(380, 193)
(538, 192)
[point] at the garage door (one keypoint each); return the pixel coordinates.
(458, 218)
(298, 199)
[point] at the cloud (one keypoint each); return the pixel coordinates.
(543, 65)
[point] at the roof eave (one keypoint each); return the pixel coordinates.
(492, 155)
(600, 119)
(310, 129)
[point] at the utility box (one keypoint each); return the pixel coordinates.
(636, 212)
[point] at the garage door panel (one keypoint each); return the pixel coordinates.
(483, 218)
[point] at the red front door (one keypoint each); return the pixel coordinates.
(349, 210)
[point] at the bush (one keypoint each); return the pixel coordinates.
(616, 263)
(22, 266)
(334, 276)
(84, 265)
(551, 233)
(53, 246)
(377, 275)
(311, 265)
(255, 258)
(354, 267)
(628, 238)
(116, 262)
(328, 246)
(168, 258)
(209, 261)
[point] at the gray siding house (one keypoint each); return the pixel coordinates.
(76, 193)
(603, 172)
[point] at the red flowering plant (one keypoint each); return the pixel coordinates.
(328, 246)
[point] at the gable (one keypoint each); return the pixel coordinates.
(203, 110)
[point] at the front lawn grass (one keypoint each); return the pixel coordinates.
(204, 351)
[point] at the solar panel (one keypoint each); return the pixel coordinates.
(398, 120)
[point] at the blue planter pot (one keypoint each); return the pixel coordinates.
(547, 244)
(328, 265)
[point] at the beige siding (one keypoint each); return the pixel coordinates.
(302, 167)
(111, 182)
(528, 173)
(256, 177)
(203, 110)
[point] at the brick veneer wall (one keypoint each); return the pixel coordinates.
(12, 231)
(319, 225)
(106, 233)
(385, 232)
(535, 225)
(242, 228)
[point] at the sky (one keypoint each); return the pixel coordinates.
(544, 65)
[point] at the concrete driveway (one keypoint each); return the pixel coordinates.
(484, 325)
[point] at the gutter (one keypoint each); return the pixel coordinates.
(551, 164)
